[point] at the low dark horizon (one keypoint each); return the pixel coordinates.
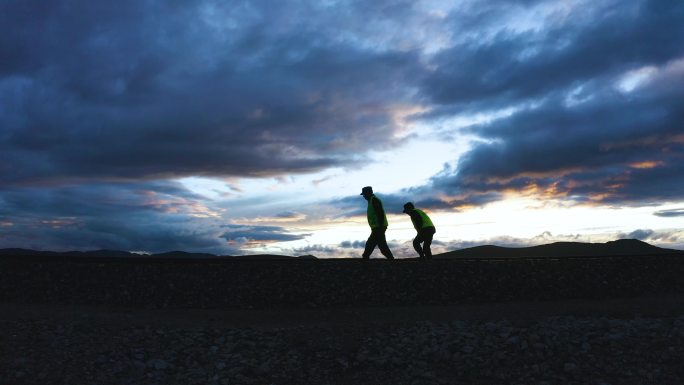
(620, 247)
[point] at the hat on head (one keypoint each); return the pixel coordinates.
(366, 190)
(408, 206)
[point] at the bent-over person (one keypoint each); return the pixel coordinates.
(424, 227)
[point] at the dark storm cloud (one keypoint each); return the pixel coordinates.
(670, 213)
(580, 130)
(97, 200)
(93, 90)
(153, 217)
(352, 244)
(328, 250)
(605, 38)
(618, 151)
(640, 234)
(288, 215)
(251, 234)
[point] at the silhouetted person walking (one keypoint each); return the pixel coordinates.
(425, 229)
(377, 220)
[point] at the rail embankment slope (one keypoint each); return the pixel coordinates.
(310, 283)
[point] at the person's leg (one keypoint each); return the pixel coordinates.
(416, 245)
(382, 243)
(429, 233)
(370, 245)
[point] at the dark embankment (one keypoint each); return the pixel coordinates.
(341, 321)
(332, 283)
(621, 247)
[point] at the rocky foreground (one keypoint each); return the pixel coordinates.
(184, 323)
(556, 350)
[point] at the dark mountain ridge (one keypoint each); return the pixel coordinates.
(561, 249)
(556, 249)
(118, 254)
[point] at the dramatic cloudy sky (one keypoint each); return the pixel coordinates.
(239, 127)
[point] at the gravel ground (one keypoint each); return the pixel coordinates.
(63, 342)
(551, 350)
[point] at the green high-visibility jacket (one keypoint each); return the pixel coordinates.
(372, 213)
(426, 222)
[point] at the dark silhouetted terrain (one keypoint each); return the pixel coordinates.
(561, 249)
(627, 268)
(114, 254)
(557, 249)
(572, 314)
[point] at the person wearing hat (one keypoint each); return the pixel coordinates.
(425, 229)
(377, 220)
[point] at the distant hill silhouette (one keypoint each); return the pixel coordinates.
(94, 253)
(118, 254)
(271, 257)
(183, 254)
(561, 249)
(557, 249)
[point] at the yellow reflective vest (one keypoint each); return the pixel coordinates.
(372, 215)
(426, 220)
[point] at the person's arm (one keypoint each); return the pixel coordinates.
(416, 219)
(379, 210)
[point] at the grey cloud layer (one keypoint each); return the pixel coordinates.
(127, 91)
(575, 133)
(579, 129)
(596, 40)
(259, 234)
(153, 216)
(670, 213)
